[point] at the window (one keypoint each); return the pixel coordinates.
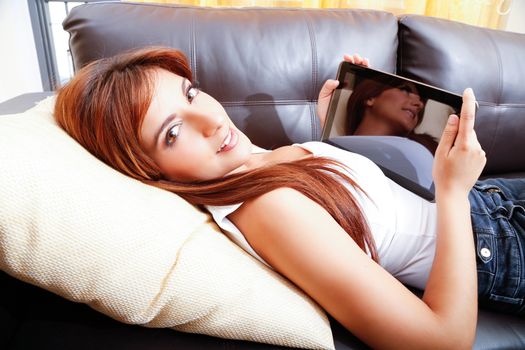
(56, 66)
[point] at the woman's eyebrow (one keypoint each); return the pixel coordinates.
(169, 118)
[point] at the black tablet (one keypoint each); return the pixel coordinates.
(394, 121)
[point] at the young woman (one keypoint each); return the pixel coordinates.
(327, 219)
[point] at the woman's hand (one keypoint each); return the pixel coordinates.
(459, 158)
(329, 86)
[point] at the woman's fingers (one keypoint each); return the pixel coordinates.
(460, 131)
(330, 85)
(357, 59)
(349, 58)
(449, 135)
(459, 157)
(328, 88)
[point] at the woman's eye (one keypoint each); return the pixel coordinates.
(408, 89)
(405, 88)
(191, 93)
(172, 134)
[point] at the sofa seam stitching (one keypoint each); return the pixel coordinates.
(400, 44)
(498, 99)
(313, 45)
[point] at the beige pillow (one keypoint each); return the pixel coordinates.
(74, 226)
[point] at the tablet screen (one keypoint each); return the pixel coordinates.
(394, 121)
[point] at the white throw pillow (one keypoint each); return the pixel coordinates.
(141, 255)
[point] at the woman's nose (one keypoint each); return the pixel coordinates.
(416, 101)
(206, 122)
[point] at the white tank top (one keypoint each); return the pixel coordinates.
(403, 224)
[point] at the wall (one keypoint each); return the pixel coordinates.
(516, 20)
(19, 71)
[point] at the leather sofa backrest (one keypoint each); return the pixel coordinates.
(266, 66)
(455, 56)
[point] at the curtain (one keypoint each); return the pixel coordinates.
(485, 13)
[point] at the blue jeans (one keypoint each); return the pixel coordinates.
(498, 222)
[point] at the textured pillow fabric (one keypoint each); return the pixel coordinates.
(76, 227)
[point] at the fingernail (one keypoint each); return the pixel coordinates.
(453, 119)
(469, 90)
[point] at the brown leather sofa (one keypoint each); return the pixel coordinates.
(266, 67)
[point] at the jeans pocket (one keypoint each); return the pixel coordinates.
(505, 300)
(504, 304)
(490, 188)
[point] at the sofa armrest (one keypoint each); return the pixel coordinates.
(23, 102)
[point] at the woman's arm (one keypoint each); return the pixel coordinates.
(459, 161)
(304, 243)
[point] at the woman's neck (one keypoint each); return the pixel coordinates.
(372, 125)
(261, 157)
(373, 129)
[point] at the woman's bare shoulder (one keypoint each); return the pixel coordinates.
(287, 154)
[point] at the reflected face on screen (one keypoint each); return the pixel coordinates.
(395, 111)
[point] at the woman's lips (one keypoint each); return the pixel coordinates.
(230, 141)
(411, 113)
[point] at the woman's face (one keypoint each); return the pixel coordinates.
(188, 133)
(398, 107)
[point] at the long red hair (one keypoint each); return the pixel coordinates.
(103, 108)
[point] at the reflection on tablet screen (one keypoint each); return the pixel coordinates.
(394, 121)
